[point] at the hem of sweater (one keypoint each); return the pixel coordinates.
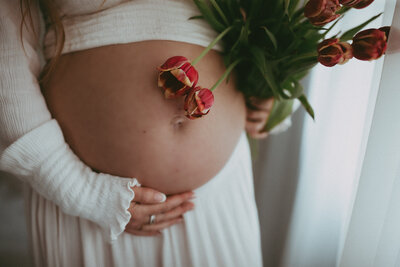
(124, 216)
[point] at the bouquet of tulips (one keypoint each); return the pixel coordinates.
(272, 45)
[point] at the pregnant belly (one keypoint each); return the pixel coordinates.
(117, 121)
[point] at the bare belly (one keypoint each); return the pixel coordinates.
(117, 121)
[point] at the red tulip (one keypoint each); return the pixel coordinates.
(198, 102)
(356, 3)
(177, 76)
(320, 12)
(369, 44)
(332, 52)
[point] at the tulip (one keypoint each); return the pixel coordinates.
(177, 76)
(332, 52)
(320, 12)
(369, 44)
(198, 102)
(356, 3)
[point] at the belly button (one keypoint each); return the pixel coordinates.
(178, 121)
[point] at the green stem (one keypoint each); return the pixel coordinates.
(211, 45)
(226, 73)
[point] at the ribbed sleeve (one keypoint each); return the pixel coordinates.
(32, 146)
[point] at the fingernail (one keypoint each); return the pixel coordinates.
(160, 197)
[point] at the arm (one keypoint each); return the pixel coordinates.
(32, 146)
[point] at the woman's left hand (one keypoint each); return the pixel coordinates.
(257, 113)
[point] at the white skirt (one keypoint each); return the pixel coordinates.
(222, 230)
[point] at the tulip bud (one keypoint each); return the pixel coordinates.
(369, 44)
(198, 102)
(356, 3)
(177, 76)
(332, 52)
(320, 12)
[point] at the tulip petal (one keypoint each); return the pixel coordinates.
(173, 63)
(181, 76)
(170, 84)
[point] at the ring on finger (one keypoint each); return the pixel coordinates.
(152, 219)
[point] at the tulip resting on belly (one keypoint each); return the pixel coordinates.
(116, 120)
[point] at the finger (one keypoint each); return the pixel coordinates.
(174, 213)
(146, 195)
(260, 104)
(257, 116)
(261, 135)
(136, 224)
(171, 203)
(143, 233)
(161, 226)
(141, 213)
(254, 127)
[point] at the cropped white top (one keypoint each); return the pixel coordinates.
(89, 24)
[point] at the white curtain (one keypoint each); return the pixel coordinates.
(373, 236)
(306, 178)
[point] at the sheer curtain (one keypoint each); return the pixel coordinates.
(373, 236)
(306, 178)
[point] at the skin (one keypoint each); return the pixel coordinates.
(117, 121)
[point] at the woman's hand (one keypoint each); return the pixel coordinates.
(258, 111)
(166, 210)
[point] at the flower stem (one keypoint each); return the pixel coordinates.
(226, 73)
(211, 45)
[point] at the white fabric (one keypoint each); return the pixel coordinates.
(331, 153)
(42, 158)
(373, 235)
(222, 230)
(118, 22)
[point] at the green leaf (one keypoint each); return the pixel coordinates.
(271, 37)
(297, 16)
(220, 12)
(258, 58)
(209, 15)
(292, 7)
(287, 3)
(291, 88)
(331, 27)
(196, 17)
(304, 101)
(271, 81)
(280, 111)
(350, 33)
(343, 10)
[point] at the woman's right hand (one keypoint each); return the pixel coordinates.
(167, 211)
